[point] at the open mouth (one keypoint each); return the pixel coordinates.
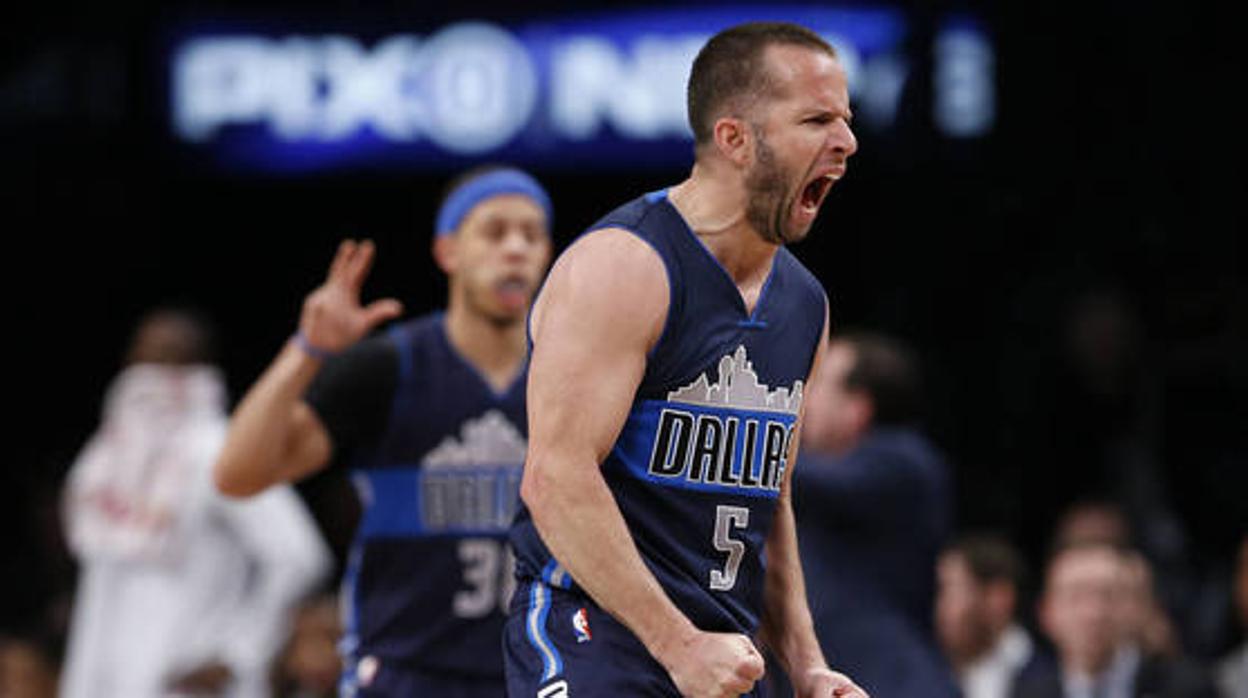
(817, 190)
(512, 289)
(512, 284)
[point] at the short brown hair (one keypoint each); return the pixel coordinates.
(990, 558)
(886, 369)
(730, 65)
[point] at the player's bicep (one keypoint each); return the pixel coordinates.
(601, 311)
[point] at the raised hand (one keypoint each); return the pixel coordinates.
(714, 665)
(333, 318)
(822, 682)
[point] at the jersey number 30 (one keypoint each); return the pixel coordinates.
(488, 575)
(726, 519)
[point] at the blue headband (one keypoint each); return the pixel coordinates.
(496, 183)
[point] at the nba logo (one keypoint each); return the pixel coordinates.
(366, 670)
(580, 623)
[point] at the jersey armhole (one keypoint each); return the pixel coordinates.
(349, 397)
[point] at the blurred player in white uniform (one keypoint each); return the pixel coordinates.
(182, 591)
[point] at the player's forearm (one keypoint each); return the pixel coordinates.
(789, 631)
(787, 625)
(580, 522)
(259, 437)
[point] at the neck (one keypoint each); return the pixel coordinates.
(496, 350)
(985, 648)
(714, 207)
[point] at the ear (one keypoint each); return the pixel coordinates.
(446, 253)
(734, 140)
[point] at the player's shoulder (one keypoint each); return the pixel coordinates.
(611, 255)
(609, 270)
(608, 274)
(628, 237)
(632, 215)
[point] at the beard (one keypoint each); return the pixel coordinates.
(765, 188)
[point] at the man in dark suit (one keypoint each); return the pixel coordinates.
(979, 581)
(1087, 610)
(873, 500)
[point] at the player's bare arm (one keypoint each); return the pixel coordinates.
(787, 625)
(601, 311)
(274, 436)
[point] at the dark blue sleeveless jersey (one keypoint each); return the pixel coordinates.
(696, 470)
(430, 573)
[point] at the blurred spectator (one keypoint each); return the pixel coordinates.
(25, 671)
(310, 667)
(872, 500)
(35, 619)
(1102, 522)
(980, 580)
(1087, 611)
(181, 591)
(1233, 670)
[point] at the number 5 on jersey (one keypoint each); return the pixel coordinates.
(727, 518)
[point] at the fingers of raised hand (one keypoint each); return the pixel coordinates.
(359, 264)
(346, 250)
(380, 311)
(351, 263)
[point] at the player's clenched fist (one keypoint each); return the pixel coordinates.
(821, 682)
(714, 665)
(333, 318)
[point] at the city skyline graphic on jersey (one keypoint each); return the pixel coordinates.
(738, 386)
(471, 484)
(490, 439)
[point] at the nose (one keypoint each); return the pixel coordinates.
(517, 242)
(842, 141)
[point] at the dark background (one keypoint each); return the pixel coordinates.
(1074, 281)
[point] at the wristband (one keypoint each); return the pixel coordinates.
(301, 341)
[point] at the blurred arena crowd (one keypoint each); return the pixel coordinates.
(911, 600)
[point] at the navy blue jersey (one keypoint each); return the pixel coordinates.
(696, 470)
(430, 573)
